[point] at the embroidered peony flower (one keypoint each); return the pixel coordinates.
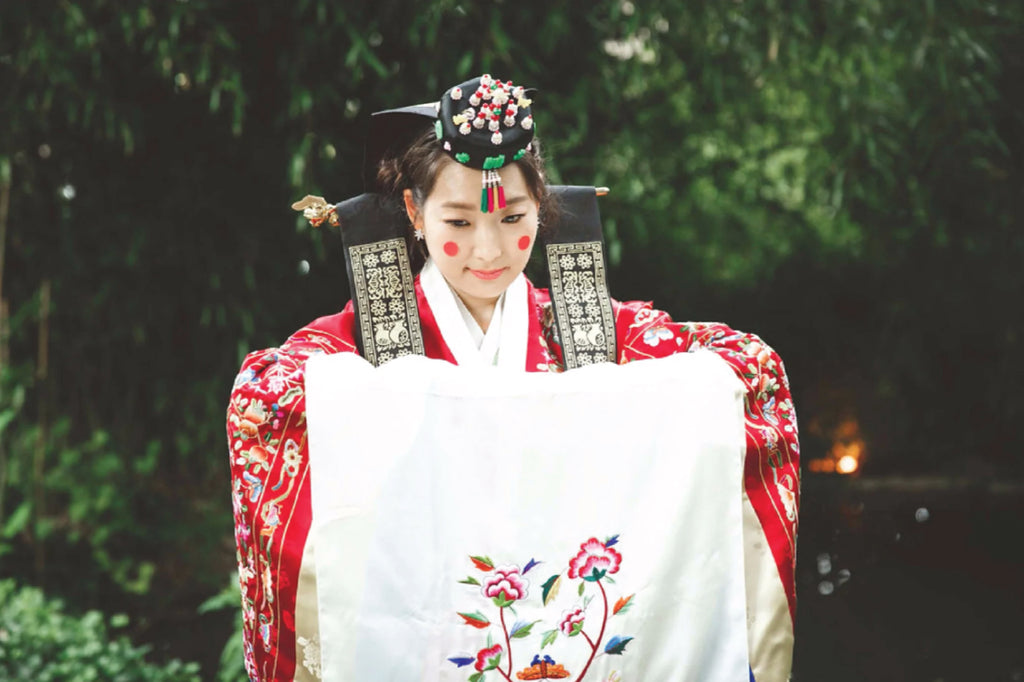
(507, 580)
(569, 620)
(488, 659)
(594, 556)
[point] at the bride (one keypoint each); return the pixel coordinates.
(467, 178)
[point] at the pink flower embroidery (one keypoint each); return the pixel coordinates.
(594, 556)
(569, 619)
(508, 580)
(485, 658)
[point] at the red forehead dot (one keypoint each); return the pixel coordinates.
(451, 248)
(524, 242)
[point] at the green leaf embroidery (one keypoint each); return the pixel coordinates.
(290, 395)
(577, 628)
(484, 563)
(476, 619)
(523, 631)
(549, 638)
(502, 600)
(549, 590)
(469, 580)
(582, 586)
(476, 677)
(493, 663)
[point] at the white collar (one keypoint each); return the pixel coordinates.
(505, 342)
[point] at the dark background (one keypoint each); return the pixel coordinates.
(844, 178)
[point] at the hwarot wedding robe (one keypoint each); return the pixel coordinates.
(270, 475)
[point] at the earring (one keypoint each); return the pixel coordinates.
(418, 233)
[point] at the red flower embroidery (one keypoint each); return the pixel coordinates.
(594, 556)
(508, 580)
(487, 659)
(569, 619)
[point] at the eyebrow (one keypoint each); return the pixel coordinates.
(467, 207)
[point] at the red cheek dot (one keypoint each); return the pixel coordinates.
(451, 248)
(524, 242)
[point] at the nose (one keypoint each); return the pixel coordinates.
(487, 242)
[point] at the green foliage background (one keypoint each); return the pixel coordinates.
(844, 178)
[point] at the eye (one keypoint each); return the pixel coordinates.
(514, 218)
(457, 222)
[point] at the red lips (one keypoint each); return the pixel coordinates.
(488, 274)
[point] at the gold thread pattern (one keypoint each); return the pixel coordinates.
(389, 322)
(583, 308)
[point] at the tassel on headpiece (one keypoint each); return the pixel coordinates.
(492, 194)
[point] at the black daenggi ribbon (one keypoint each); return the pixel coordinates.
(380, 278)
(579, 286)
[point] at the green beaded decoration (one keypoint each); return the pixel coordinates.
(493, 162)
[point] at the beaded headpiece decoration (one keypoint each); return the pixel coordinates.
(486, 123)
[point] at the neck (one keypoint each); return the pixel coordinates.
(482, 309)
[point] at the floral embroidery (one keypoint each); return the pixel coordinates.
(266, 416)
(505, 585)
(655, 335)
(311, 656)
(572, 622)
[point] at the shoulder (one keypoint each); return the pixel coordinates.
(325, 335)
(271, 380)
(646, 332)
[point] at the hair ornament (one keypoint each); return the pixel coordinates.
(316, 210)
(485, 135)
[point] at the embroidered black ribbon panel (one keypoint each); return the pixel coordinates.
(380, 278)
(579, 286)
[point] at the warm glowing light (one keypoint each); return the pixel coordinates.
(845, 454)
(847, 464)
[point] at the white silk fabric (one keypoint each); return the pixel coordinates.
(451, 506)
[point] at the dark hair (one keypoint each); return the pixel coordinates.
(419, 164)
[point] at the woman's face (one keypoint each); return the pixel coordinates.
(478, 253)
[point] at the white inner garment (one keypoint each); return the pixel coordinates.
(504, 343)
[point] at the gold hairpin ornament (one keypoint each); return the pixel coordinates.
(316, 210)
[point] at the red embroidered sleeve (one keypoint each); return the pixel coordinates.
(772, 469)
(270, 492)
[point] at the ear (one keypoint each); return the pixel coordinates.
(410, 207)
